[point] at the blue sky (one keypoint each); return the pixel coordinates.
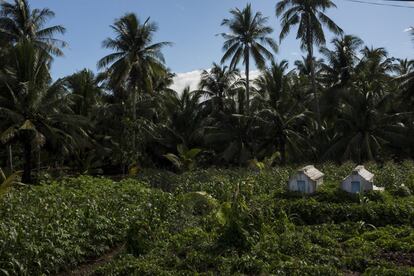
(192, 24)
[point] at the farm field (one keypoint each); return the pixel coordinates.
(210, 222)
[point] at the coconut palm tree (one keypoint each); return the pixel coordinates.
(341, 60)
(135, 60)
(375, 67)
(234, 138)
(249, 35)
(336, 73)
(272, 83)
(279, 113)
(35, 111)
(162, 82)
(404, 67)
(366, 127)
(85, 90)
(220, 84)
(310, 17)
(18, 22)
(184, 115)
(303, 66)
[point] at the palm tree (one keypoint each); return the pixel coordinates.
(220, 84)
(136, 59)
(341, 59)
(233, 138)
(279, 113)
(336, 73)
(36, 112)
(365, 116)
(405, 79)
(375, 67)
(404, 67)
(272, 83)
(163, 82)
(85, 90)
(248, 36)
(366, 128)
(18, 23)
(184, 115)
(310, 16)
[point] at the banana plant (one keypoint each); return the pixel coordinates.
(267, 163)
(186, 158)
(8, 182)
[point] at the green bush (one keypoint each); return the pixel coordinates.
(310, 211)
(401, 271)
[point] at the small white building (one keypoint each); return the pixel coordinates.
(361, 180)
(307, 180)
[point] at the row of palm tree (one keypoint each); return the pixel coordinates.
(349, 103)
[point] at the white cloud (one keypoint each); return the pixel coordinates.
(254, 74)
(182, 80)
(192, 79)
(409, 29)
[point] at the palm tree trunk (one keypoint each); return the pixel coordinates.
(134, 118)
(27, 167)
(221, 102)
(10, 158)
(240, 100)
(247, 82)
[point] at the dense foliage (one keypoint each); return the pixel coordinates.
(349, 102)
(210, 221)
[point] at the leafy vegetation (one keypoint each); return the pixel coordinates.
(210, 221)
(7, 182)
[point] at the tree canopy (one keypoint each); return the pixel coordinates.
(345, 101)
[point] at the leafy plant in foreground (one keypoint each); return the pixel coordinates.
(186, 158)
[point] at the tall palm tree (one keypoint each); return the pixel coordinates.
(219, 84)
(341, 59)
(248, 37)
(310, 17)
(36, 111)
(18, 22)
(135, 60)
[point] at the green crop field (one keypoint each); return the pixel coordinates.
(168, 140)
(210, 222)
